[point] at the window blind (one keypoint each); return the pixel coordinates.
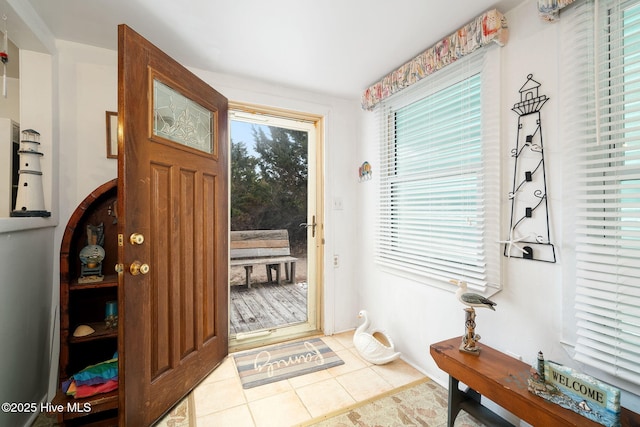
(605, 115)
(439, 177)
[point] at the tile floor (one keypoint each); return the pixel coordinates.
(220, 399)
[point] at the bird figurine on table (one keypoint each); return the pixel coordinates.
(470, 299)
(470, 338)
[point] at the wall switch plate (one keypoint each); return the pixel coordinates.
(337, 204)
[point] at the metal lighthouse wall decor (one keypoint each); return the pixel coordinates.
(529, 235)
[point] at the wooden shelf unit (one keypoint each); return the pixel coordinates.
(84, 304)
(110, 281)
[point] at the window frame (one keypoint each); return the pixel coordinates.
(485, 64)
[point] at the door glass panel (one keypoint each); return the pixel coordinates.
(272, 185)
(180, 119)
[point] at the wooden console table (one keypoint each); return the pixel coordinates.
(503, 380)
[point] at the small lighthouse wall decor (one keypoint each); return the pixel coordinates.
(529, 235)
(30, 197)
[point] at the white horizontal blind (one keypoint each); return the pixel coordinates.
(607, 154)
(434, 219)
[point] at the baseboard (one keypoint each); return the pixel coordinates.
(34, 415)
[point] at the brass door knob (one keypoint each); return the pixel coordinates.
(136, 239)
(137, 267)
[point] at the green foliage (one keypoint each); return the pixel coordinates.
(269, 191)
(249, 195)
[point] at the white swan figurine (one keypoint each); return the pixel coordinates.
(374, 346)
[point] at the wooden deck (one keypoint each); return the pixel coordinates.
(266, 306)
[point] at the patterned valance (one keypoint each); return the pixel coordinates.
(489, 27)
(549, 10)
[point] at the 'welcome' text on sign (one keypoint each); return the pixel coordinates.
(587, 391)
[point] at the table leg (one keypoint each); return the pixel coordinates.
(269, 276)
(470, 401)
(248, 269)
(455, 398)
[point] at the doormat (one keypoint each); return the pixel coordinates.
(283, 361)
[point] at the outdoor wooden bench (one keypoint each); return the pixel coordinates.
(503, 380)
(263, 247)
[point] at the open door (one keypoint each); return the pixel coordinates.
(173, 230)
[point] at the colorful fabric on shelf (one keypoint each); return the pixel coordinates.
(99, 378)
(489, 27)
(92, 390)
(100, 372)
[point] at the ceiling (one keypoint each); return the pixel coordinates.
(338, 47)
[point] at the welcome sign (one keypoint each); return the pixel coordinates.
(590, 391)
(580, 393)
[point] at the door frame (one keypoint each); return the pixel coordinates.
(318, 123)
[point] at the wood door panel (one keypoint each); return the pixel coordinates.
(173, 320)
(212, 296)
(189, 259)
(178, 264)
(160, 274)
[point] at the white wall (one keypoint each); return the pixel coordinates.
(26, 259)
(534, 310)
(25, 289)
(10, 106)
(88, 87)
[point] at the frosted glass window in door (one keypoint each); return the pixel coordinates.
(180, 119)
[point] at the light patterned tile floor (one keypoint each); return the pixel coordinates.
(220, 400)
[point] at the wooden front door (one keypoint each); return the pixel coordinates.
(173, 232)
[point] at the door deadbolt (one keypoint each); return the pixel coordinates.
(137, 267)
(136, 239)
